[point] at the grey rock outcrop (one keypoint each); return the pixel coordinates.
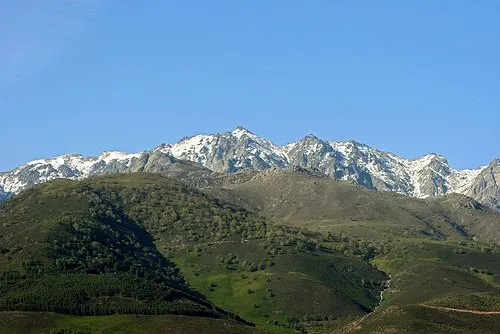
(198, 159)
(486, 186)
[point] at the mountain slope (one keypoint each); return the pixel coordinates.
(442, 251)
(102, 241)
(228, 152)
(239, 149)
(301, 198)
(68, 249)
(77, 167)
(486, 185)
(148, 244)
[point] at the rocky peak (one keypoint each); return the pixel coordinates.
(240, 149)
(486, 186)
(240, 131)
(315, 154)
(229, 151)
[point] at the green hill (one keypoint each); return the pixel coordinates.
(54, 323)
(302, 198)
(66, 250)
(286, 251)
(147, 244)
(441, 252)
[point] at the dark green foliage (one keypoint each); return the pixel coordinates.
(48, 322)
(69, 331)
(106, 246)
(104, 294)
(91, 257)
(291, 323)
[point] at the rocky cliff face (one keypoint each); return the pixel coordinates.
(240, 149)
(79, 167)
(486, 186)
(228, 152)
(314, 153)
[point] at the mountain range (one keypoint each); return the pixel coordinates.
(230, 152)
(230, 233)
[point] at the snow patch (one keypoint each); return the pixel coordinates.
(241, 148)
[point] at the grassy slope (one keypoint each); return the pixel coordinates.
(305, 276)
(322, 204)
(40, 322)
(426, 246)
(424, 270)
(427, 272)
(292, 276)
(421, 320)
(298, 284)
(421, 243)
(57, 237)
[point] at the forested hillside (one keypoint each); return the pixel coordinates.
(123, 244)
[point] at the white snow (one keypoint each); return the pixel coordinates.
(460, 181)
(240, 132)
(288, 147)
(200, 148)
(110, 156)
(402, 174)
(399, 174)
(196, 148)
(344, 147)
(49, 169)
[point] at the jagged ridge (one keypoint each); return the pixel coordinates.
(229, 152)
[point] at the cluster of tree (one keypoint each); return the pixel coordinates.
(318, 317)
(83, 294)
(101, 245)
(177, 210)
(229, 259)
(373, 283)
(291, 323)
(99, 257)
(69, 331)
(177, 215)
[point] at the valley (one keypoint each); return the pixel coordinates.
(284, 250)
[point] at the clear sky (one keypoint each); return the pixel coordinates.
(410, 77)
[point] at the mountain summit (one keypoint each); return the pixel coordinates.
(229, 152)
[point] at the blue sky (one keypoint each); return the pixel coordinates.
(410, 77)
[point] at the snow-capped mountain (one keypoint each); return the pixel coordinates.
(426, 176)
(73, 166)
(229, 152)
(77, 167)
(485, 185)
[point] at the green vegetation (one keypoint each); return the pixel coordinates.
(87, 259)
(486, 302)
(305, 255)
(52, 323)
(216, 244)
(422, 320)
(442, 248)
(95, 295)
(108, 245)
(302, 199)
(297, 285)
